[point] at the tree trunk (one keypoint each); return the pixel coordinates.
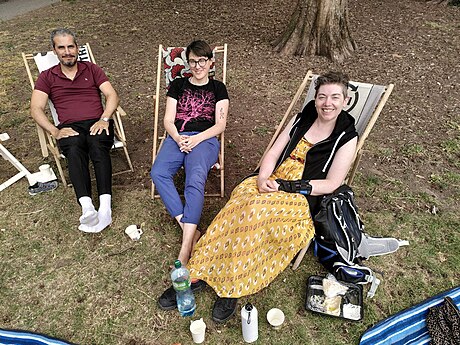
(318, 27)
(294, 39)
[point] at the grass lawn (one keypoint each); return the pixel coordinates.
(103, 288)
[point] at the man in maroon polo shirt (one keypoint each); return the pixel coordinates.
(85, 130)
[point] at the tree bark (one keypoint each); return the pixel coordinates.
(318, 27)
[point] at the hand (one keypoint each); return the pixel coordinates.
(181, 142)
(189, 143)
(266, 185)
(65, 133)
(99, 127)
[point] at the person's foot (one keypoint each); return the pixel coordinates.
(223, 309)
(167, 300)
(89, 218)
(105, 219)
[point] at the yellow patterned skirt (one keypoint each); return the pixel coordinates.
(256, 235)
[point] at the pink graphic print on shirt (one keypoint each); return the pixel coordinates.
(194, 106)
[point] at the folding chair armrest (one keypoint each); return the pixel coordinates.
(121, 111)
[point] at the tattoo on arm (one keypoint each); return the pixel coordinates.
(221, 113)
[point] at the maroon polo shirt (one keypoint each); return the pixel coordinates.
(74, 100)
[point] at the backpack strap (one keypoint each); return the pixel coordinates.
(324, 258)
(367, 275)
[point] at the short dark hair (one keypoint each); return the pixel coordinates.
(333, 78)
(199, 48)
(62, 32)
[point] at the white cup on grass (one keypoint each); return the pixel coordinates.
(275, 317)
(45, 170)
(198, 328)
(134, 232)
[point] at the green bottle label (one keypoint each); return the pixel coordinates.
(181, 286)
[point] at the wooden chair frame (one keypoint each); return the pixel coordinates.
(366, 111)
(220, 165)
(48, 143)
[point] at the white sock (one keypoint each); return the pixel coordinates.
(89, 214)
(104, 215)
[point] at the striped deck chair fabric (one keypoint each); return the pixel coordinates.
(16, 337)
(407, 327)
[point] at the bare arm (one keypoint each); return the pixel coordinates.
(170, 117)
(111, 99)
(111, 104)
(37, 110)
(338, 171)
(216, 129)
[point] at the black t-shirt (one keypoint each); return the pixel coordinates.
(196, 105)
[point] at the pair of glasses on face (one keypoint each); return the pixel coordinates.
(200, 62)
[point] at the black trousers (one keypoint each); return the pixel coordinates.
(79, 149)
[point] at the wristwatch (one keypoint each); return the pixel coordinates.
(106, 119)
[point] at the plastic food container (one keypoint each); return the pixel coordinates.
(348, 306)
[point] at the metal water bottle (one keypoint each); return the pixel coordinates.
(249, 323)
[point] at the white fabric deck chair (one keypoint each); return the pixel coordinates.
(8, 156)
(44, 61)
(365, 105)
(173, 64)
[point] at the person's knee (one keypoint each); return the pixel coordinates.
(154, 174)
(76, 150)
(159, 174)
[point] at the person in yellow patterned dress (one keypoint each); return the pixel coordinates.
(268, 218)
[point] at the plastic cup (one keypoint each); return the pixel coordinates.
(198, 328)
(133, 232)
(45, 170)
(275, 317)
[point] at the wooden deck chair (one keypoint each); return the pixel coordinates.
(44, 61)
(173, 63)
(365, 105)
(8, 156)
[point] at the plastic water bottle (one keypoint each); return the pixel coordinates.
(180, 277)
(249, 323)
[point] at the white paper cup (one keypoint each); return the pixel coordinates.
(275, 317)
(198, 328)
(133, 232)
(45, 170)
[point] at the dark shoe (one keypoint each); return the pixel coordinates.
(40, 187)
(224, 308)
(167, 300)
(198, 285)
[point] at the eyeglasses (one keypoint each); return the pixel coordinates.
(200, 62)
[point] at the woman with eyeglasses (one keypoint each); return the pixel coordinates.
(268, 218)
(196, 112)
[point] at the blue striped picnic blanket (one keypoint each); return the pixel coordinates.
(16, 337)
(408, 326)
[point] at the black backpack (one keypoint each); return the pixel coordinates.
(340, 241)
